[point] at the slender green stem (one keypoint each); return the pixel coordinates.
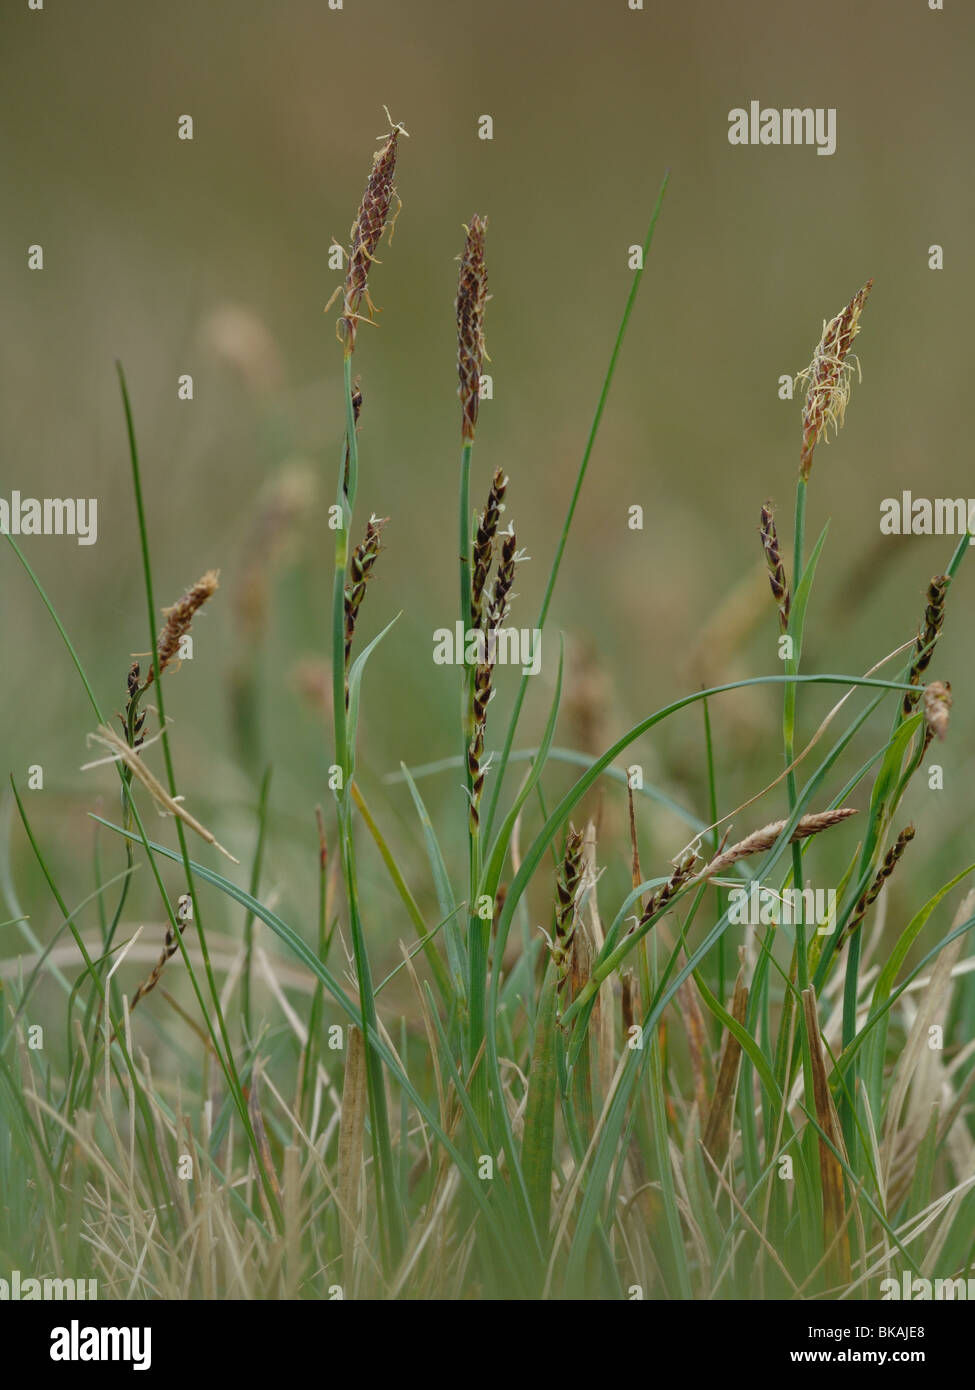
(389, 1208)
(576, 491)
(249, 919)
(789, 728)
(226, 1055)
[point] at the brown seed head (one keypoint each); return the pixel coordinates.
(178, 620)
(870, 896)
(483, 674)
(487, 529)
(367, 229)
(927, 635)
(471, 299)
(567, 881)
(827, 378)
(363, 558)
(761, 840)
(776, 569)
(937, 703)
(683, 870)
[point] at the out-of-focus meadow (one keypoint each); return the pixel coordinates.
(209, 257)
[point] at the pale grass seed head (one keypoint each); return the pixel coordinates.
(937, 706)
(828, 378)
(179, 619)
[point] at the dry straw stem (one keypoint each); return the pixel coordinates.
(776, 569)
(169, 950)
(120, 751)
(363, 558)
(717, 1132)
(472, 296)
(351, 1136)
(178, 621)
(828, 377)
(487, 529)
(927, 635)
(937, 703)
(871, 671)
(760, 840)
(170, 947)
(830, 1168)
(367, 230)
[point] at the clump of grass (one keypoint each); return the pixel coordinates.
(612, 1112)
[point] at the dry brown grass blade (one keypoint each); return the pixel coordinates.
(831, 1171)
(872, 671)
(121, 752)
(351, 1134)
(904, 1132)
(770, 1249)
(260, 1133)
(717, 1131)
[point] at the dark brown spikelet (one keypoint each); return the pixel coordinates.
(483, 674)
(487, 529)
(503, 580)
(567, 880)
(179, 619)
(927, 635)
(183, 914)
(363, 558)
(827, 378)
(776, 569)
(367, 229)
(891, 860)
(471, 299)
(133, 723)
(659, 900)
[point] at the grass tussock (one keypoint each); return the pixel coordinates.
(487, 1057)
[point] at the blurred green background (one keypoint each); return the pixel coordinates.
(210, 257)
